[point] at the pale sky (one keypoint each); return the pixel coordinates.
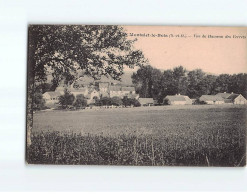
(212, 55)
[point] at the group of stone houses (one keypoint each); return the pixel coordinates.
(106, 89)
(223, 98)
(220, 98)
(91, 93)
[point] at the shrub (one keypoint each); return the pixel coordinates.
(80, 101)
(67, 99)
(38, 101)
(130, 101)
(135, 102)
(166, 102)
(116, 101)
(105, 101)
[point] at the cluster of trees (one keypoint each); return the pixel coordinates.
(67, 100)
(117, 101)
(153, 83)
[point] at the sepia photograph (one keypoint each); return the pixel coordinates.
(136, 95)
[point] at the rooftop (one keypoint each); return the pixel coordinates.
(211, 98)
(176, 97)
(146, 100)
(233, 96)
(53, 94)
(223, 95)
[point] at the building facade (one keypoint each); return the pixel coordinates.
(211, 99)
(177, 100)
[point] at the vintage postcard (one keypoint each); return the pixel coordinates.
(136, 95)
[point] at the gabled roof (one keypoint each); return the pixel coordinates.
(233, 96)
(187, 99)
(176, 97)
(223, 95)
(128, 89)
(53, 94)
(146, 101)
(211, 98)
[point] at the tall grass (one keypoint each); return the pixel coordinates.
(155, 136)
(130, 149)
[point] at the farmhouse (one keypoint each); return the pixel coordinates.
(80, 91)
(211, 99)
(146, 101)
(177, 100)
(128, 90)
(236, 99)
(114, 91)
(120, 91)
(91, 93)
(51, 97)
(106, 89)
(232, 98)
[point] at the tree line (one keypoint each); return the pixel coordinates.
(153, 83)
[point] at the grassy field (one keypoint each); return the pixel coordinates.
(197, 135)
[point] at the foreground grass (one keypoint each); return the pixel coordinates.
(57, 148)
(181, 136)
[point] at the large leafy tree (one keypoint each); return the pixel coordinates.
(173, 82)
(208, 84)
(147, 81)
(179, 84)
(222, 83)
(238, 84)
(195, 83)
(67, 51)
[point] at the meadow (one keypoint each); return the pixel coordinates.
(196, 135)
